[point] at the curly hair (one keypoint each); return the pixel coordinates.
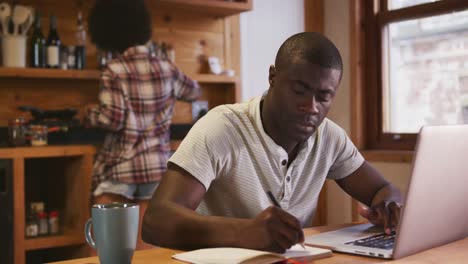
(116, 25)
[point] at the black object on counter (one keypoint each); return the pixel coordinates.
(39, 115)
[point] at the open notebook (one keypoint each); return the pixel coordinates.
(249, 256)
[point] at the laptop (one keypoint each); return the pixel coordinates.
(434, 213)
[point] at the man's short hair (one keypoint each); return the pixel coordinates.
(310, 47)
(116, 25)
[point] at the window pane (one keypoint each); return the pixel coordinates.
(426, 73)
(396, 4)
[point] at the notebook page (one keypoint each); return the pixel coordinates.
(223, 255)
(297, 251)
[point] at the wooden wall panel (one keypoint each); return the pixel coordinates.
(193, 48)
(314, 15)
(45, 94)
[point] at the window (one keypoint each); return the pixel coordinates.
(417, 68)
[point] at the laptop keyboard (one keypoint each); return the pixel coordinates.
(382, 241)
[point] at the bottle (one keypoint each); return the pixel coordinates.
(43, 223)
(54, 222)
(102, 59)
(32, 225)
(53, 45)
(80, 49)
(71, 59)
(17, 132)
(38, 44)
(64, 58)
(38, 134)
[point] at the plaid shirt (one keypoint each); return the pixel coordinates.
(136, 103)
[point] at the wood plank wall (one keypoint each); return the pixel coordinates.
(194, 37)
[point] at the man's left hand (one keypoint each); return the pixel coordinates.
(385, 213)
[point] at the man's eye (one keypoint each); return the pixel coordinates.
(299, 89)
(325, 97)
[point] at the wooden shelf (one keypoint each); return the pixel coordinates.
(219, 8)
(47, 151)
(94, 75)
(54, 241)
(211, 78)
(49, 73)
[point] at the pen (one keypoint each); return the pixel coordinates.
(275, 203)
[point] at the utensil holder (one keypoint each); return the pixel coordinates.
(14, 51)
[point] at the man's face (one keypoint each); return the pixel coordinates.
(302, 94)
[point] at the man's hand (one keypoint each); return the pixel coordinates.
(385, 213)
(272, 230)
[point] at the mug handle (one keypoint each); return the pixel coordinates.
(89, 238)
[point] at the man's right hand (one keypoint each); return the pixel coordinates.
(272, 230)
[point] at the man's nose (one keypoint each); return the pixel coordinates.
(311, 106)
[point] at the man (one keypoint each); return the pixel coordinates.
(281, 143)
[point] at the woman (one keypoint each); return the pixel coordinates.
(136, 102)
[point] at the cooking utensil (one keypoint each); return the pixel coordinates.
(20, 15)
(29, 21)
(5, 12)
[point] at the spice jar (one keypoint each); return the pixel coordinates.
(43, 223)
(32, 226)
(54, 222)
(38, 135)
(17, 132)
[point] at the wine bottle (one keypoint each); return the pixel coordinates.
(38, 45)
(53, 44)
(80, 49)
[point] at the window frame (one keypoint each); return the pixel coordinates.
(376, 17)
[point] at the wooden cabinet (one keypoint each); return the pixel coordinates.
(59, 176)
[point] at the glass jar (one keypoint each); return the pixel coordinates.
(38, 135)
(54, 223)
(17, 132)
(32, 225)
(43, 224)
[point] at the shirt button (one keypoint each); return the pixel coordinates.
(284, 162)
(288, 179)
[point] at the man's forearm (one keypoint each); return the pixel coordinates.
(174, 226)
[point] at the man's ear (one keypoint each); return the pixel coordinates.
(271, 74)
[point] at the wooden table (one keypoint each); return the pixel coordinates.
(456, 252)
